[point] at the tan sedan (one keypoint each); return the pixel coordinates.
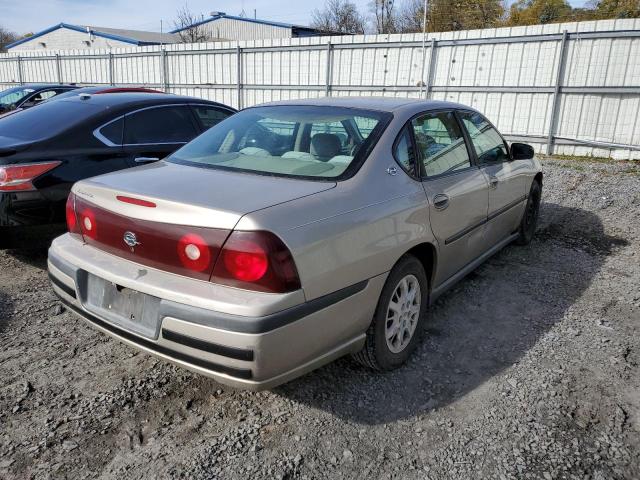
(294, 233)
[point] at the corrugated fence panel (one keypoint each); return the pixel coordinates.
(509, 74)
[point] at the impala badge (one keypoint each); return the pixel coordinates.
(131, 240)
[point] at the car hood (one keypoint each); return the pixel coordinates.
(195, 196)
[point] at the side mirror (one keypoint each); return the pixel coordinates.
(521, 151)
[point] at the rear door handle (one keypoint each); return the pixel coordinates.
(146, 159)
(493, 182)
(441, 201)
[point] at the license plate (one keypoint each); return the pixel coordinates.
(127, 308)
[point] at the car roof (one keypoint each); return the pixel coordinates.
(41, 86)
(135, 98)
(383, 104)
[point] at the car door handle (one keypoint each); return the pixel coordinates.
(493, 182)
(146, 159)
(441, 201)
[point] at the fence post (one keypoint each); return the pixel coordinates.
(329, 72)
(239, 75)
(555, 106)
(20, 78)
(432, 68)
(58, 68)
(165, 70)
(111, 76)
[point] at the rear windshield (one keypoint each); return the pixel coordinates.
(13, 95)
(291, 141)
(46, 120)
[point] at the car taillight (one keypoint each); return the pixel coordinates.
(19, 178)
(72, 219)
(256, 261)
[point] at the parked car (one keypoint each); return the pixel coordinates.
(294, 233)
(44, 150)
(26, 96)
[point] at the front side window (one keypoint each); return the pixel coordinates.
(311, 141)
(486, 140)
(210, 116)
(172, 124)
(440, 143)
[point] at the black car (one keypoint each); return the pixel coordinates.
(26, 96)
(44, 150)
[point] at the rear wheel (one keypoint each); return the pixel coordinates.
(529, 220)
(398, 320)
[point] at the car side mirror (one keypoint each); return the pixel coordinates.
(521, 151)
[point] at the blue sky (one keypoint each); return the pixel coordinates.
(35, 15)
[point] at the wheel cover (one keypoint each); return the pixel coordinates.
(403, 313)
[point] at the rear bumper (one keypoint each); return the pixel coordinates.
(258, 342)
(28, 219)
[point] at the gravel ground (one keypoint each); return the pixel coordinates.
(529, 369)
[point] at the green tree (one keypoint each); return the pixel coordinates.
(617, 9)
(446, 15)
(533, 12)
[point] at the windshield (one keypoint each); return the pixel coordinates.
(13, 95)
(285, 140)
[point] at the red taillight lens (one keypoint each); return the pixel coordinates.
(256, 261)
(245, 260)
(19, 178)
(194, 253)
(72, 219)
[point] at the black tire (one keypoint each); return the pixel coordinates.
(529, 220)
(376, 353)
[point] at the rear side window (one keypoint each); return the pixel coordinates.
(112, 132)
(172, 124)
(440, 143)
(403, 152)
(486, 140)
(210, 116)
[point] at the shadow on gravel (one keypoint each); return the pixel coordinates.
(36, 257)
(481, 327)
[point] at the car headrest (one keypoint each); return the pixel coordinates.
(325, 146)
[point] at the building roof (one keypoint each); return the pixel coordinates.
(296, 28)
(134, 37)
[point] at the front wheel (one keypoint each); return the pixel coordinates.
(398, 320)
(529, 220)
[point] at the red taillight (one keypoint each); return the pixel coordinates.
(72, 219)
(19, 178)
(194, 253)
(256, 261)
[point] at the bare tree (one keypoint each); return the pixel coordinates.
(385, 16)
(411, 16)
(340, 16)
(6, 37)
(187, 23)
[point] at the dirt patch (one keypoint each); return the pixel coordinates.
(528, 369)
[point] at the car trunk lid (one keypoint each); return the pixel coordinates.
(150, 214)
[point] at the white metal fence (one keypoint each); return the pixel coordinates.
(565, 88)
